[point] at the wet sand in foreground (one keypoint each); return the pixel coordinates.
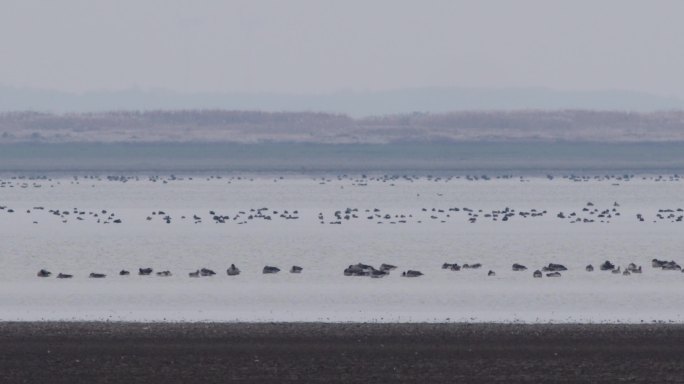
(315, 352)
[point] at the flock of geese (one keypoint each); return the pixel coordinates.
(352, 270)
(361, 269)
(203, 272)
(587, 214)
(38, 181)
(555, 270)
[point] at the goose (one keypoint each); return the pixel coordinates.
(475, 266)
(64, 276)
(537, 274)
(296, 269)
(97, 275)
(589, 268)
(124, 273)
(207, 272)
(519, 267)
(363, 266)
(670, 266)
(144, 271)
(194, 274)
(412, 273)
(358, 270)
(616, 271)
(233, 270)
(164, 273)
(377, 274)
(553, 274)
(554, 268)
(43, 273)
(387, 267)
(270, 269)
(491, 273)
(607, 266)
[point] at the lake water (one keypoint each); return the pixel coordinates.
(448, 158)
(415, 223)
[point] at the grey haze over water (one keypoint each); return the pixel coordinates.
(348, 56)
(354, 57)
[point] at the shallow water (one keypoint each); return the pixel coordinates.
(531, 158)
(40, 239)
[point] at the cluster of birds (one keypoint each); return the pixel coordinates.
(591, 214)
(441, 215)
(617, 178)
(588, 214)
(241, 217)
(382, 178)
(23, 181)
(364, 180)
(353, 270)
(554, 270)
(99, 217)
(203, 272)
(106, 217)
(669, 214)
(361, 269)
(24, 185)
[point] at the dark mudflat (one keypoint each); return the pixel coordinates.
(209, 353)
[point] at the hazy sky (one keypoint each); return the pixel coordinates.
(311, 46)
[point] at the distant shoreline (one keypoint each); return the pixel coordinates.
(257, 127)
